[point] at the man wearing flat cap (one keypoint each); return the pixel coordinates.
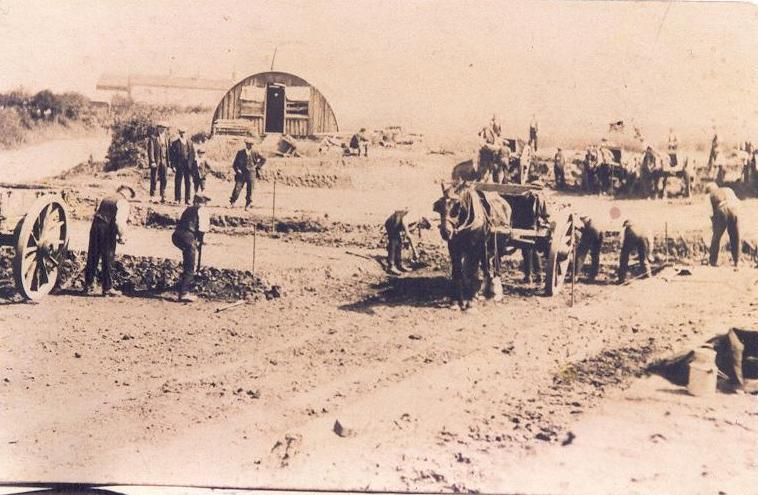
(246, 166)
(108, 228)
(181, 151)
(189, 236)
(157, 158)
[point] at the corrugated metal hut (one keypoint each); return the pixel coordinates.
(273, 102)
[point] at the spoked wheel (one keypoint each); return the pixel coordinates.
(560, 254)
(40, 247)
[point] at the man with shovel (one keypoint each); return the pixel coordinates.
(396, 228)
(189, 236)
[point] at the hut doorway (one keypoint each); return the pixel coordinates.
(274, 108)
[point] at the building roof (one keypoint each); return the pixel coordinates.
(120, 82)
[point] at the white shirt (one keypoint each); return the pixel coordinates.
(122, 216)
(203, 220)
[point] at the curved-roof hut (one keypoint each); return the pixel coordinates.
(273, 102)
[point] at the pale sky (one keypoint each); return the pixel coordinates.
(438, 67)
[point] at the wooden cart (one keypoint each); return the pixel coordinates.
(34, 221)
(556, 239)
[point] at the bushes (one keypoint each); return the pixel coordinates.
(128, 136)
(12, 130)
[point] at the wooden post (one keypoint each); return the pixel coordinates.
(273, 210)
(666, 240)
(255, 236)
(573, 263)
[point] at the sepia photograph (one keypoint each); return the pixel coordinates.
(378, 247)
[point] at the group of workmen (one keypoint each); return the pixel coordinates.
(109, 227)
(189, 164)
(635, 238)
(187, 160)
(190, 167)
(182, 156)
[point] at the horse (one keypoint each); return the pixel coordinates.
(468, 219)
(492, 165)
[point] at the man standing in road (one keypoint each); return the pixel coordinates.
(246, 163)
(714, 159)
(673, 146)
(634, 238)
(725, 217)
(559, 169)
(189, 236)
(157, 157)
(108, 228)
(181, 151)
(533, 133)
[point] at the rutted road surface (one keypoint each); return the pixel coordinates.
(146, 389)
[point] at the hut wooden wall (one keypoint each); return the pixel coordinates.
(227, 118)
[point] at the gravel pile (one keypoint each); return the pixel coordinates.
(148, 275)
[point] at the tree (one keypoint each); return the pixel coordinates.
(128, 136)
(47, 104)
(74, 106)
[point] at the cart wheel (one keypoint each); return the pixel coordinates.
(560, 254)
(40, 247)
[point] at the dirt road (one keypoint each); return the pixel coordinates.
(50, 158)
(149, 390)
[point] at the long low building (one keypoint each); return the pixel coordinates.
(158, 89)
(273, 102)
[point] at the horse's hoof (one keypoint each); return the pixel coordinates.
(497, 298)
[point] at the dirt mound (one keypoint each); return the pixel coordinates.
(88, 168)
(150, 217)
(307, 178)
(612, 367)
(145, 276)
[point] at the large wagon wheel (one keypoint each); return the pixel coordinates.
(40, 246)
(560, 254)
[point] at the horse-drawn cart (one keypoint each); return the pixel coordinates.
(34, 221)
(532, 229)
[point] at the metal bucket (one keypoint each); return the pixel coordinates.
(703, 372)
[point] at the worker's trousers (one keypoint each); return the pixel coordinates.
(158, 177)
(642, 246)
(590, 242)
(241, 180)
(395, 252)
(187, 242)
(725, 218)
(102, 248)
(182, 176)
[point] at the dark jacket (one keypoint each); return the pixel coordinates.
(247, 163)
(180, 153)
(157, 151)
(189, 220)
(394, 224)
